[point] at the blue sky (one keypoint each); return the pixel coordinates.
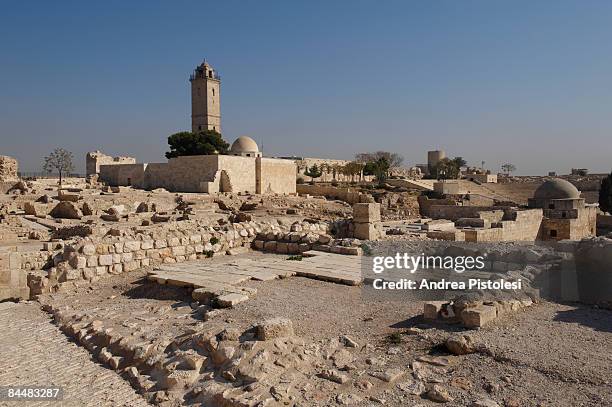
(529, 82)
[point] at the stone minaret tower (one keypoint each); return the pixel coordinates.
(205, 99)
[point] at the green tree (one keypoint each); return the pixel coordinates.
(59, 160)
(508, 168)
(313, 172)
(446, 169)
(449, 169)
(351, 169)
(458, 163)
(605, 194)
(394, 159)
(379, 168)
(202, 143)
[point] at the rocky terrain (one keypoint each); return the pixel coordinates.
(250, 300)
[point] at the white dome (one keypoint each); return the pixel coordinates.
(244, 144)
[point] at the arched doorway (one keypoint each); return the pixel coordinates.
(225, 183)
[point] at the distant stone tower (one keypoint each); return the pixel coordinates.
(205, 99)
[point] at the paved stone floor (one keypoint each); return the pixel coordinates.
(33, 351)
(316, 265)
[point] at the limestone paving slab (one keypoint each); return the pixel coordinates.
(324, 266)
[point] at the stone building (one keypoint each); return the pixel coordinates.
(94, 159)
(8, 168)
(205, 99)
(566, 215)
(555, 212)
(433, 158)
(245, 170)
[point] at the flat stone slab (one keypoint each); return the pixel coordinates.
(222, 279)
(229, 300)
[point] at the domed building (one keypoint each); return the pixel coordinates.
(555, 189)
(241, 170)
(566, 215)
(245, 146)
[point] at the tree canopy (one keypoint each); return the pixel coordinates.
(449, 169)
(59, 160)
(202, 143)
(379, 168)
(605, 194)
(508, 168)
(393, 159)
(352, 168)
(313, 172)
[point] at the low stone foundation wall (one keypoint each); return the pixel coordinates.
(348, 195)
(14, 268)
(300, 242)
(88, 259)
(289, 243)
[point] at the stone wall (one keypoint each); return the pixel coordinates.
(88, 259)
(448, 187)
(455, 212)
(275, 176)
(523, 225)
(14, 267)
(482, 178)
(241, 172)
(94, 159)
(12, 279)
(583, 225)
(207, 173)
(8, 168)
(127, 174)
(349, 195)
(153, 173)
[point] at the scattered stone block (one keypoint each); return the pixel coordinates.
(335, 376)
(389, 375)
(229, 300)
(274, 328)
(66, 210)
(438, 394)
(431, 309)
(368, 231)
(439, 224)
(366, 212)
(478, 316)
(460, 345)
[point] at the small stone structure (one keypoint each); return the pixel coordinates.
(555, 212)
(448, 187)
(566, 216)
(12, 278)
(8, 168)
(366, 221)
(482, 178)
(433, 158)
(94, 159)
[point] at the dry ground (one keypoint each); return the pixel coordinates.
(549, 355)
